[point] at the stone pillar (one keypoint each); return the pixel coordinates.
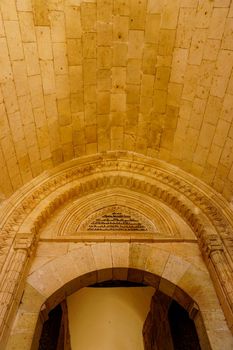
(221, 272)
(12, 283)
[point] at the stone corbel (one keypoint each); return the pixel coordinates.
(25, 241)
(211, 243)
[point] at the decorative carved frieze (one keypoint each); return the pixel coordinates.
(196, 203)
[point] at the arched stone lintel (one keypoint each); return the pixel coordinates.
(88, 264)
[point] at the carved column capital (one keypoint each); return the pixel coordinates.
(211, 243)
(25, 241)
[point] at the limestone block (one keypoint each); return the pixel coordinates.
(197, 46)
(204, 12)
(47, 74)
(156, 261)
(217, 23)
(221, 132)
(197, 113)
(8, 9)
(121, 7)
(137, 14)
(190, 82)
(104, 57)
(44, 43)
(60, 58)
(118, 103)
(89, 45)
(213, 109)
(65, 268)
(6, 71)
(227, 153)
(73, 22)
(20, 77)
(147, 85)
(174, 94)
(39, 280)
(119, 54)
(42, 134)
(31, 294)
(211, 49)
(14, 40)
(220, 337)
(230, 14)
(35, 86)
(103, 103)
(63, 106)
(27, 27)
(149, 59)
(57, 21)
(227, 35)
(206, 73)
(40, 11)
(90, 94)
(152, 28)
(155, 6)
(190, 281)
(10, 97)
(120, 29)
(117, 132)
(90, 132)
(20, 341)
(185, 28)
(62, 86)
(170, 15)
(162, 78)
(51, 107)
(76, 78)
(104, 10)
(104, 34)
(31, 58)
(83, 259)
(120, 255)
(179, 62)
(76, 102)
(133, 71)
(160, 99)
(118, 79)
(138, 255)
(166, 42)
(206, 135)
(25, 322)
(74, 51)
(90, 113)
(133, 94)
(103, 260)
(88, 16)
(214, 155)
(227, 108)
(2, 29)
(89, 71)
(224, 3)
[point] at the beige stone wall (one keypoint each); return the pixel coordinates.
(81, 77)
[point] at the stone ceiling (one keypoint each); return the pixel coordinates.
(148, 76)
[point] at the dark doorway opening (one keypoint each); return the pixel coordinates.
(183, 330)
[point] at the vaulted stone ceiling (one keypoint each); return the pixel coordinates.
(149, 76)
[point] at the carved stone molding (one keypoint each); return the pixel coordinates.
(207, 213)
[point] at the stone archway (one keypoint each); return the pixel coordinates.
(22, 217)
(141, 263)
